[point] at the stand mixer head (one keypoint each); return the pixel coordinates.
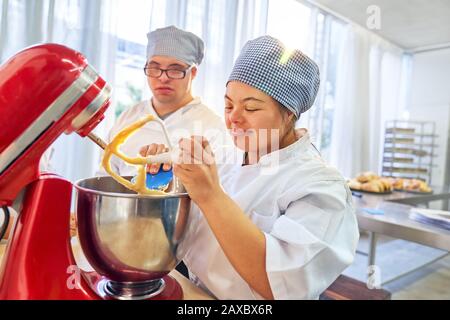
(47, 90)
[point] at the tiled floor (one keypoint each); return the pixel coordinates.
(429, 282)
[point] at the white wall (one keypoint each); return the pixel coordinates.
(431, 78)
(430, 101)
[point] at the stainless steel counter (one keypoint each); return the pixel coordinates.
(395, 221)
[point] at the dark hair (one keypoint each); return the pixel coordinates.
(285, 112)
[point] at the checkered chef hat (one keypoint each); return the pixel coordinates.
(288, 76)
(173, 42)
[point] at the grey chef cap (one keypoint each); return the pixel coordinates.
(173, 42)
(288, 76)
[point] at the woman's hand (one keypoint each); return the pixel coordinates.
(151, 150)
(196, 169)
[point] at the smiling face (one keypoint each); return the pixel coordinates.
(166, 91)
(256, 121)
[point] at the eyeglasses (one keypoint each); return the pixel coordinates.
(154, 72)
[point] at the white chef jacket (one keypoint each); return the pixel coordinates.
(193, 119)
(305, 211)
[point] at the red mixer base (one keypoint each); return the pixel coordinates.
(172, 291)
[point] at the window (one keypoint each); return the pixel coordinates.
(289, 21)
(12, 19)
(319, 35)
(329, 34)
(132, 30)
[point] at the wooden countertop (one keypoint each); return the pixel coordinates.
(191, 292)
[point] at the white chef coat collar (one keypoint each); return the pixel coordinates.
(291, 151)
(196, 101)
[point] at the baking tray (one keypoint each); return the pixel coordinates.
(412, 191)
(371, 192)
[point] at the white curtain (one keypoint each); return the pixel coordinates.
(369, 87)
(350, 148)
(84, 25)
(388, 105)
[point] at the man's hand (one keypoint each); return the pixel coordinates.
(151, 150)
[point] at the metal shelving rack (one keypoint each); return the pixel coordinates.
(409, 149)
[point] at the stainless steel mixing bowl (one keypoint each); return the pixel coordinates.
(128, 237)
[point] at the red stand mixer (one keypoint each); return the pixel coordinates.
(47, 90)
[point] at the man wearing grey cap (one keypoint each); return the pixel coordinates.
(173, 56)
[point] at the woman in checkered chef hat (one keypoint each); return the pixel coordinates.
(279, 223)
